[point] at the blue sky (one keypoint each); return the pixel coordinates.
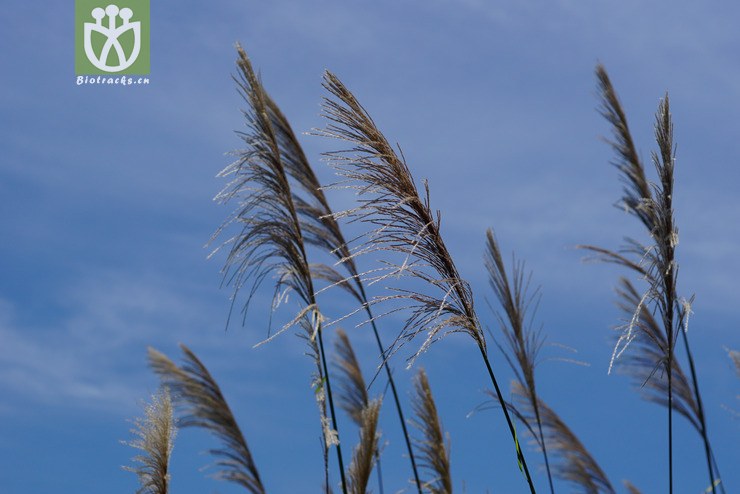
(106, 204)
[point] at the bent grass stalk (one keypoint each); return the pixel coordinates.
(271, 238)
(404, 223)
(523, 342)
(323, 231)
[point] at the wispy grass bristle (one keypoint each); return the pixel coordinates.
(630, 487)
(645, 359)
(735, 357)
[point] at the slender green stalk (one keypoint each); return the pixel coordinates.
(701, 417)
(512, 429)
(544, 448)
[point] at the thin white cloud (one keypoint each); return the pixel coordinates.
(94, 357)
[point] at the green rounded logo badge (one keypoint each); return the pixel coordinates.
(111, 38)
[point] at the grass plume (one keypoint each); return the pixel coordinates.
(547, 428)
(352, 393)
(652, 205)
(366, 452)
(155, 436)
(434, 449)
(523, 342)
(404, 223)
(203, 405)
(271, 238)
(637, 194)
(321, 229)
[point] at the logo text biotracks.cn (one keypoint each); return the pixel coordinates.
(110, 80)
